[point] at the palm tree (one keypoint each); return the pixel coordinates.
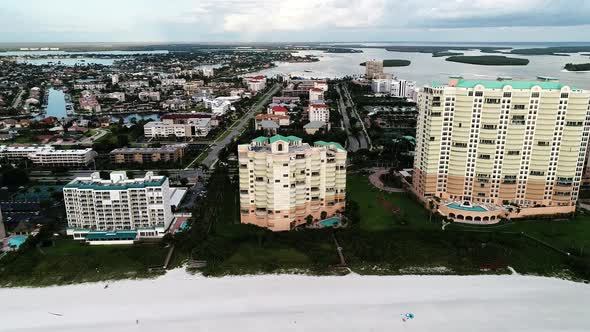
(308, 220)
(431, 207)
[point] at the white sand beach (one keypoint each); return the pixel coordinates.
(182, 302)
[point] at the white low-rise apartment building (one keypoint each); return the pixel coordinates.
(193, 127)
(149, 96)
(284, 181)
(381, 86)
(46, 155)
(395, 87)
(79, 157)
(173, 81)
(117, 209)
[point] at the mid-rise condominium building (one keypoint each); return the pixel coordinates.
(46, 155)
(482, 145)
(194, 127)
(166, 153)
(118, 208)
(283, 181)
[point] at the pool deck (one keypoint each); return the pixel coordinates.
(480, 214)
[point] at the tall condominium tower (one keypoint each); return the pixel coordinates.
(283, 181)
(373, 69)
(495, 143)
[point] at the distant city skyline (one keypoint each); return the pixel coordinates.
(57, 21)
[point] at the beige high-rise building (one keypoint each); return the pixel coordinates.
(484, 144)
(373, 69)
(283, 181)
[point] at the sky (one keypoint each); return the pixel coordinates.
(294, 20)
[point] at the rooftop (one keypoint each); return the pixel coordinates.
(500, 84)
(337, 145)
(117, 181)
(267, 124)
(165, 148)
(284, 138)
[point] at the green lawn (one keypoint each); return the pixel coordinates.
(71, 261)
(376, 207)
(571, 235)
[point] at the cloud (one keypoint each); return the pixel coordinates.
(299, 15)
(291, 20)
(502, 13)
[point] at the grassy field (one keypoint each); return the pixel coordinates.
(382, 211)
(69, 261)
(572, 235)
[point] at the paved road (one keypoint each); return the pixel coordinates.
(235, 130)
(18, 98)
(353, 143)
(363, 137)
(87, 140)
(375, 179)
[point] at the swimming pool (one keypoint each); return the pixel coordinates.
(475, 208)
(17, 240)
(330, 222)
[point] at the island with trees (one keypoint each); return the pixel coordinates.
(444, 49)
(577, 67)
(394, 63)
(445, 53)
(558, 50)
(339, 50)
(489, 60)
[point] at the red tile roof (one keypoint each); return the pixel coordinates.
(49, 120)
(319, 105)
(280, 109)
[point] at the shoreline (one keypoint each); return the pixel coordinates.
(302, 274)
(180, 301)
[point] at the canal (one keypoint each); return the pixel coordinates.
(56, 104)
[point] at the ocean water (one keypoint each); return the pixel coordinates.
(426, 69)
